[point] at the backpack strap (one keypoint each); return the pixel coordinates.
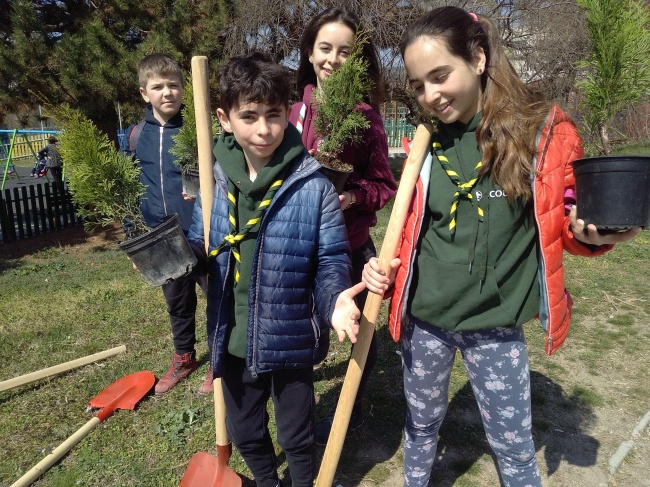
(134, 136)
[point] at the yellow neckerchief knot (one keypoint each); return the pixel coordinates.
(234, 237)
(464, 189)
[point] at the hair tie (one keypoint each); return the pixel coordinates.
(474, 16)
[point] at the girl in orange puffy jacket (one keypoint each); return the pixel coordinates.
(481, 253)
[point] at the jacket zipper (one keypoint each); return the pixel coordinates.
(542, 258)
(253, 368)
(548, 122)
(215, 340)
(160, 159)
(314, 325)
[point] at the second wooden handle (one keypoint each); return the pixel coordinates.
(394, 229)
(59, 369)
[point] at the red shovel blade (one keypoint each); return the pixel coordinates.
(205, 470)
(124, 393)
(202, 470)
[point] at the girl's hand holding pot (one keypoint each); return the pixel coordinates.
(346, 200)
(589, 233)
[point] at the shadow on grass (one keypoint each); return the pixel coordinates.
(379, 438)
(101, 239)
(396, 163)
(560, 422)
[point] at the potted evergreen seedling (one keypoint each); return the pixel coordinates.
(338, 121)
(105, 186)
(185, 148)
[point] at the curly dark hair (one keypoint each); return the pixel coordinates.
(253, 78)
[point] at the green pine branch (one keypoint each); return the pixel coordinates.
(104, 183)
(185, 148)
(338, 120)
(616, 72)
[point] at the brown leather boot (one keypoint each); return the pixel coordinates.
(182, 366)
(207, 387)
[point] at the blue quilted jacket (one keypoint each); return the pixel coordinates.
(300, 266)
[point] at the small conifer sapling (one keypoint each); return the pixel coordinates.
(339, 121)
(104, 183)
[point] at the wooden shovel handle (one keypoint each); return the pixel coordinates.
(201, 86)
(202, 111)
(395, 227)
(58, 369)
(41, 467)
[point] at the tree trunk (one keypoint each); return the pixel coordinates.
(604, 137)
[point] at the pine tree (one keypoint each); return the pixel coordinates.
(185, 148)
(336, 101)
(86, 53)
(104, 183)
(617, 69)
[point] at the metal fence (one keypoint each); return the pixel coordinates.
(34, 210)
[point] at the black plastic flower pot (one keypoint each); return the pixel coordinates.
(191, 182)
(613, 192)
(163, 254)
(338, 178)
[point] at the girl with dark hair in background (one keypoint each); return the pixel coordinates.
(324, 47)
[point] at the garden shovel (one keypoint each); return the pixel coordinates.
(205, 470)
(124, 393)
(394, 229)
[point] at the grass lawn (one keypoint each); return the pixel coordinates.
(68, 295)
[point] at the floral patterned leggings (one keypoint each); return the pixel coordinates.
(497, 366)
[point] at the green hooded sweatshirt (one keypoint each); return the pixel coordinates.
(484, 276)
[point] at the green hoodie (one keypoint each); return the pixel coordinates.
(485, 275)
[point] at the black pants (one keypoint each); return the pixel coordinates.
(246, 398)
(360, 256)
(180, 295)
(57, 173)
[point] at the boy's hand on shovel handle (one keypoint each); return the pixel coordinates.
(345, 319)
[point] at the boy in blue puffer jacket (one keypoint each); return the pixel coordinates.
(278, 268)
(161, 87)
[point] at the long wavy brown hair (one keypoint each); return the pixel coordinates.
(512, 112)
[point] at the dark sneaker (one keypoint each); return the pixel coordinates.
(207, 387)
(322, 432)
(182, 366)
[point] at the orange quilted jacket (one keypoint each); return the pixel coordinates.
(558, 145)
